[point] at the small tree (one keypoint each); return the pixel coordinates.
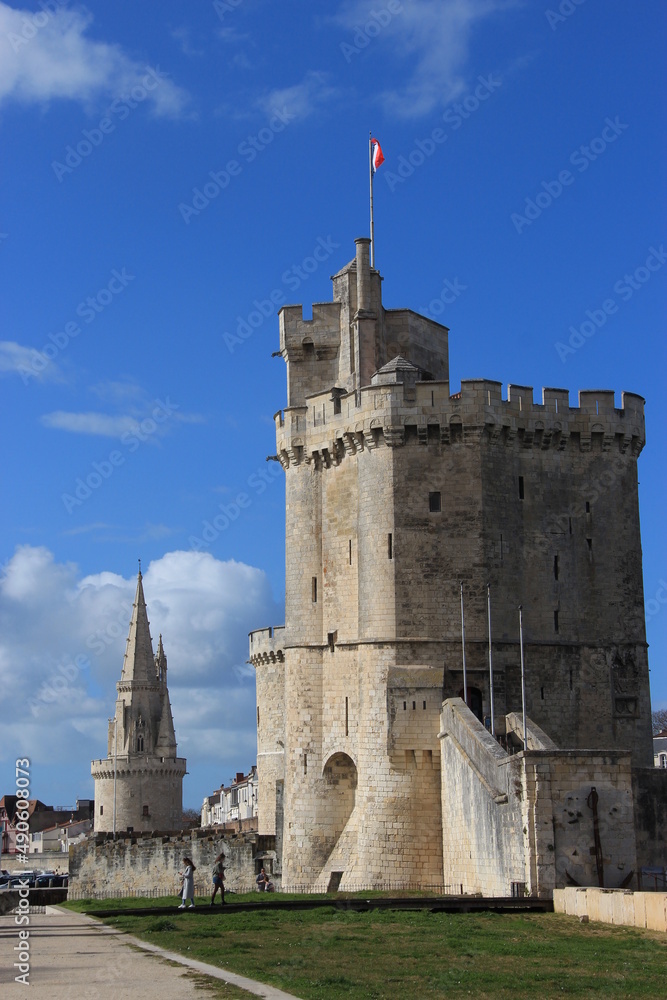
(659, 720)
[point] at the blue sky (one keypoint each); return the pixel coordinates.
(168, 171)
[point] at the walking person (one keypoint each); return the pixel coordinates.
(188, 876)
(219, 878)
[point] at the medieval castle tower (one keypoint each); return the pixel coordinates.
(139, 784)
(399, 494)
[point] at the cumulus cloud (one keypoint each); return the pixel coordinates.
(47, 55)
(62, 640)
(431, 37)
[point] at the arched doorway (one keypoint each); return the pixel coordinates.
(340, 775)
(474, 702)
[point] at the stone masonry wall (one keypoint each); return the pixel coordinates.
(650, 799)
(529, 817)
(145, 864)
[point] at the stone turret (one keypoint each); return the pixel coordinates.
(141, 745)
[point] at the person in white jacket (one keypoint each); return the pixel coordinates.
(188, 876)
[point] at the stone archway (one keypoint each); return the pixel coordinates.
(340, 777)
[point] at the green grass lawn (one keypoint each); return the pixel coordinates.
(325, 954)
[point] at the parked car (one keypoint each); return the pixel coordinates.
(49, 880)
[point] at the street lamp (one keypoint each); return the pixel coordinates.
(115, 769)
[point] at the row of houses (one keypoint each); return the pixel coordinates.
(50, 829)
(233, 806)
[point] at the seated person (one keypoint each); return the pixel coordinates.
(264, 883)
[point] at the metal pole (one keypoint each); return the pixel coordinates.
(115, 769)
(488, 602)
(523, 680)
(370, 170)
(463, 648)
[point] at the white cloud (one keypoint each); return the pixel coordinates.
(146, 418)
(26, 362)
(91, 423)
(302, 99)
(46, 55)
(62, 640)
(432, 37)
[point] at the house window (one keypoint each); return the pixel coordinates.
(314, 590)
(101, 810)
(589, 543)
(434, 503)
(140, 744)
(663, 760)
(521, 488)
(555, 621)
(390, 546)
(588, 507)
(556, 567)
(144, 811)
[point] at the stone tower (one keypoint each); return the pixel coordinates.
(398, 492)
(141, 750)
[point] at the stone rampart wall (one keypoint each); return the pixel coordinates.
(150, 864)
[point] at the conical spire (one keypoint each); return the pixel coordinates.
(166, 737)
(138, 664)
(161, 662)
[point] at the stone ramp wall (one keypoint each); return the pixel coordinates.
(529, 817)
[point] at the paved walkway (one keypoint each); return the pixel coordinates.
(76, 956)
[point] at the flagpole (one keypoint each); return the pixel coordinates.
(370, 173)
(523, 680)
(488, 601)
(463, 650)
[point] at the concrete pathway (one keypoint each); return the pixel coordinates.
(71, 955)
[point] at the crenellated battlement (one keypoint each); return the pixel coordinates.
(267, 645)
(331, 425)
(322, 331)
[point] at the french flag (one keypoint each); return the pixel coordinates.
(377, 157)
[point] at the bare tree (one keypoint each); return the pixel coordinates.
(191, 819)
(659, 720)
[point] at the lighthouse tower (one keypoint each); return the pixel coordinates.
(139, 785)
